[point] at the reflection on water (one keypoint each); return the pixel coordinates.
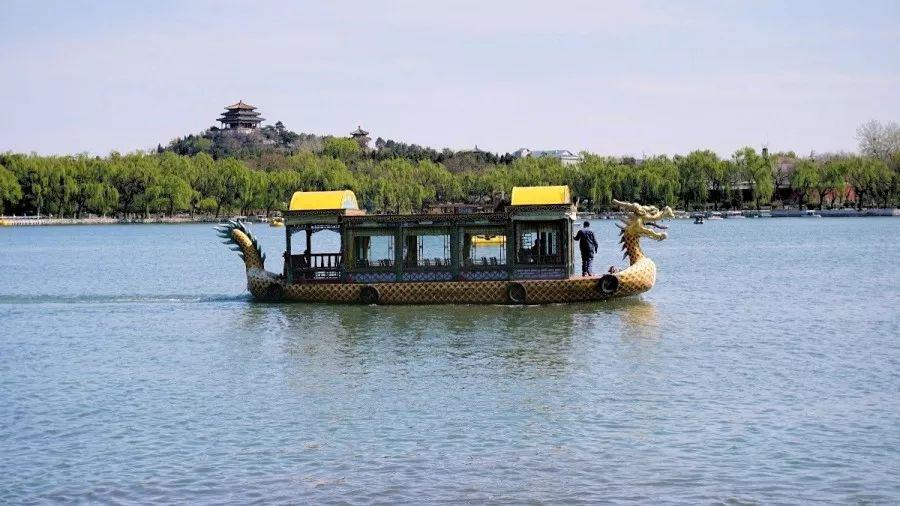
(638, 319)
(522, 338)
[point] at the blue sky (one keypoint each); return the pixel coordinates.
(617, 78)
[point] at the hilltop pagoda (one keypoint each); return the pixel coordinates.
(240, 117)
(361, 137)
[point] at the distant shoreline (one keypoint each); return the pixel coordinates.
(39, 222)
(31, 221)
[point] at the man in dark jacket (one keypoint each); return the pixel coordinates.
(587, 243)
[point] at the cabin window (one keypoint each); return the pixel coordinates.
(427, 248)
(317, 253)
(539, 243)
(321, 241)
(374, 250)
(484, 247)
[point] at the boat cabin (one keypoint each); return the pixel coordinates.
(530, 239)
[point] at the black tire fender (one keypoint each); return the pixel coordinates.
(369, 295)
(608, 284)
(516, 293)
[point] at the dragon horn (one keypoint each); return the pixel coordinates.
(624, 205)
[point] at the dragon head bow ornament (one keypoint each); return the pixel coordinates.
(640, 276)
(643, 217)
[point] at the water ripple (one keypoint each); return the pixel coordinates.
(753, 373)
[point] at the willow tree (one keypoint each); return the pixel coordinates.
(280, 186)
(694, 172)
(594, 180)
(757, 171)
(829, 181)
(133, 176)
(804, 178)
(10, 190)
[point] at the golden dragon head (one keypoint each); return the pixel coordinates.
(642, 217)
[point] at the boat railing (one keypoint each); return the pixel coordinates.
(317, 261)
(484, 262)
(314, 266)
(435, 262)
(366, 263)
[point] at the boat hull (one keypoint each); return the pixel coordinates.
(636, 279)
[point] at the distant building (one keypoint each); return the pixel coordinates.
(361, 137)
(240, 117)
(565, 156)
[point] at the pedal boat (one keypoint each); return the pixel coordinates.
(522, 254)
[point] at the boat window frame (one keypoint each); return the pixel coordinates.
(449, 261)
(561, 227)
(299, 267)
(502, 262)
(388, 232)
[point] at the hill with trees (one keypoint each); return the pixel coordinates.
(219, 173)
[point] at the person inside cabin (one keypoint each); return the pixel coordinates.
(536, 250)
(587, 243)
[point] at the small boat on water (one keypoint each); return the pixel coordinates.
(276, 222)
(488, 240)
(715, 215)
(523, 254)
(698, 220)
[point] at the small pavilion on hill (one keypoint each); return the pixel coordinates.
(361, 137)
(240, 116)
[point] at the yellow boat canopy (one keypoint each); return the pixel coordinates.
(538, 195)
(320, 201)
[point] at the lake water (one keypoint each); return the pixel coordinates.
(763, 367)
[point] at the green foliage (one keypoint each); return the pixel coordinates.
(871, 180)
(10, 190)
(830, 181)
(279, 187)
(805, 177)
(692, 170)
(341, 148)
(208, 205)
(194, 175)
(174, 194)
(757, 171)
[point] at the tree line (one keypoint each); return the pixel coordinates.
(165, 182)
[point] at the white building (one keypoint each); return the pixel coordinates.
(565, 156)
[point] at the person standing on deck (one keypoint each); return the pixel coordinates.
(587, 243)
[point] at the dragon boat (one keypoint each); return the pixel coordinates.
(521, 253)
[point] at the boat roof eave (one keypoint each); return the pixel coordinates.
(542, 212)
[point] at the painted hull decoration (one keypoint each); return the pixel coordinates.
(345, 284)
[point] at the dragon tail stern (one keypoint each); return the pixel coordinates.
(241, 240)
(262, 284)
